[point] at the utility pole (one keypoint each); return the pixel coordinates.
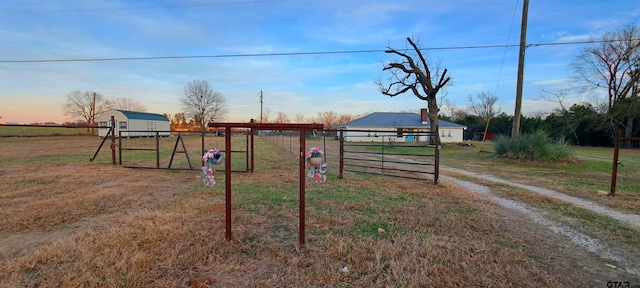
(515, 131)
(260, 106)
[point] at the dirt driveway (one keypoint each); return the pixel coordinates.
(571, 250)
(564, 247)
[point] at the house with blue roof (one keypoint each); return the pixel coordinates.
(134, 123)
(399, 127)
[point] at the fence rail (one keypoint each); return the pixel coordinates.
(385, 156)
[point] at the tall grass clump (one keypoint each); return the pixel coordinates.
(536, 146)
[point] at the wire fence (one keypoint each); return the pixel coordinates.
(289, 142)
(360, 154)
(183, 150)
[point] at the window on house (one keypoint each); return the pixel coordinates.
(400, 132)
(123, 125)
(102, 123)
(151, 126)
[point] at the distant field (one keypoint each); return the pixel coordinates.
(41, 131)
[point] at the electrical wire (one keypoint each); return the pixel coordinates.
(300, 53)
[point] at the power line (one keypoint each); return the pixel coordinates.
(299, 53)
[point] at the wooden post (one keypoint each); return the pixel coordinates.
(614, 172)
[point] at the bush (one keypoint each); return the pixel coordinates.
(537, 146)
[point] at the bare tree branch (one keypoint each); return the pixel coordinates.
(408, 75)
(201, 100)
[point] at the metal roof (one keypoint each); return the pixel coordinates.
(396, 119)
(143, 115)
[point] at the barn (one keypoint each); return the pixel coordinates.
(134, 124)
(403, 126)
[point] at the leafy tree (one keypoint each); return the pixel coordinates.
(87, 105)
(179, 120)
(408, 74)
(502, 124)
(473, 123)
(201, 100)
(612, 63)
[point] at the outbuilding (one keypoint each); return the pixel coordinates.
(134, 124)
(403, 125)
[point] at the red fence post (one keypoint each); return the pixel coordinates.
(341, 154)
(227, 181)
(303, 160)
(252, 150)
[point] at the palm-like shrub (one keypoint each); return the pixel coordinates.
(536, 146)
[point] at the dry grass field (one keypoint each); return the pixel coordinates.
(66, 222)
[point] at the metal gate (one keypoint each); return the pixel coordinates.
(391, 153)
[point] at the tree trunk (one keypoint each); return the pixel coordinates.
(433, 119)
(628, 130)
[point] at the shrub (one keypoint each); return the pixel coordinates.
(536, 146)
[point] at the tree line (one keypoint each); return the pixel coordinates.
(330, 119)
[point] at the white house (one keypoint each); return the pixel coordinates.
(400, 127)
(134, 124)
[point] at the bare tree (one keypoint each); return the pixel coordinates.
(483, 105)
(343, 119)
(201, 100)
(299, 118)
(87, 105)
(455, 112)
(282, 118)
(613, 63)
(265, 115)
(329, 119)
(407, 74)
(127, 104)
(570, 124)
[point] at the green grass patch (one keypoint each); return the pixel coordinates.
(578, 218)
(19, 131)
(374, 230)
(583, 177)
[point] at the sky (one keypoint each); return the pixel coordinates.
(244, 47)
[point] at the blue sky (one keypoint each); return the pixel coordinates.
(294, 84)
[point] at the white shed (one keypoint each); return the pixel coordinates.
(402, 125)
(134, 124)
